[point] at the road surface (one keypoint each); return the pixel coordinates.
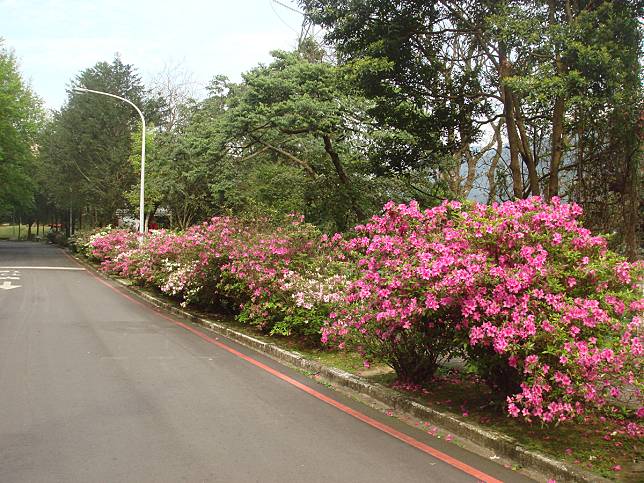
(95, 386)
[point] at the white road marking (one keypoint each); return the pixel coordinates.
(9, 278)
(8, 286)
(43, 268)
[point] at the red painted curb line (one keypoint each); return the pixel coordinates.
(481, 476)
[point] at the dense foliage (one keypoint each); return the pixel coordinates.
(86, 145)
(491, 101)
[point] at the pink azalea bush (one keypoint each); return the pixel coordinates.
(279, 277)
(547, 315)
(289, 275)
(189, 264)
(107, 244)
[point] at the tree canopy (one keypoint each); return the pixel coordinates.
(491, 100)
(557, 75)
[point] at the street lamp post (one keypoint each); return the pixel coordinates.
(141, 196)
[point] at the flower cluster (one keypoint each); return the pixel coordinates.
(540, 307)
(107, 244)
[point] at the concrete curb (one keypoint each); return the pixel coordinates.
(503, 445)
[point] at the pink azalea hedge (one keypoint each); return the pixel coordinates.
(548, 316)
(527, 297)
(281, 278)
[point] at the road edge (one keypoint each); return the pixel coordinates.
(503, 445)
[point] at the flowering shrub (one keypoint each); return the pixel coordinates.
(394, 311)
(280, 278)
(106, 245)
(536, 305)
(548, 316)
(186, 264)
(291, 276)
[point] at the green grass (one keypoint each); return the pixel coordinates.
(11, 232)
(347, 361)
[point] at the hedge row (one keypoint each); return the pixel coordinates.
(537, 305)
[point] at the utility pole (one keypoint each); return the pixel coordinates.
(71, 219)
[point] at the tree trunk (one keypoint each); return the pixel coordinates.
(557, 147)
(491, 174)
(148, 216)
(510, 123)
(468, 184)
(526, 154)
(342, 175)
(556, 152)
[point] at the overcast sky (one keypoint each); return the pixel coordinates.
(55, 39)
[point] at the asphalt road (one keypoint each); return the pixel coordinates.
(98, 387)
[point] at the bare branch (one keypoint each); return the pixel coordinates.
(306, 166)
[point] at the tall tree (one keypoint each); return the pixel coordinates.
(563, 76)
(292, 112)
(21, 116)
(176, 177)
(90, 140)
(428, 94)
